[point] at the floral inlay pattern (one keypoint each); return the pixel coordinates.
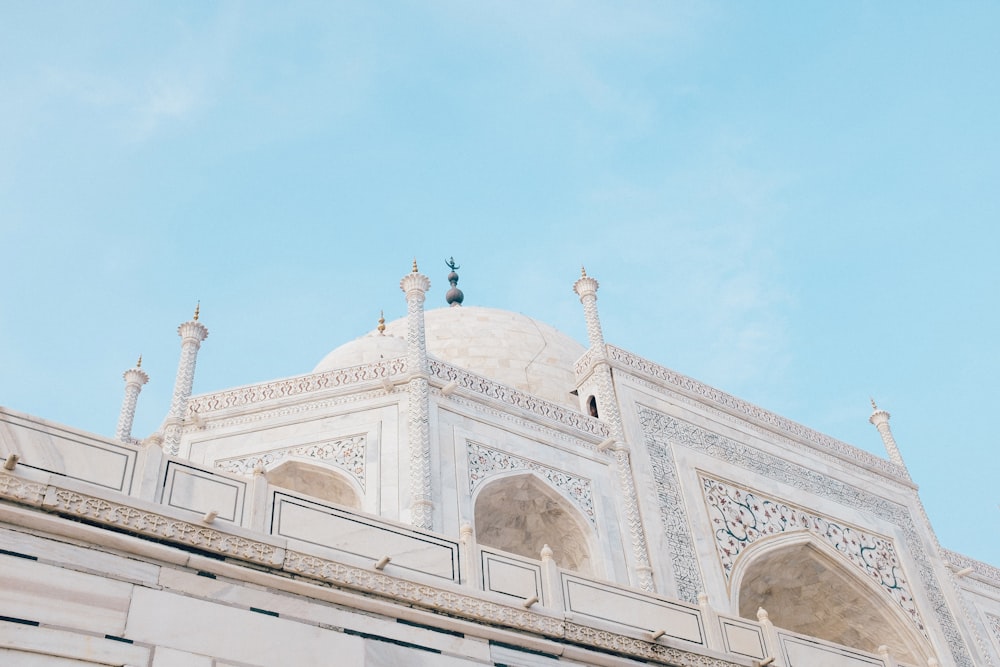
(484, 462)
(741, 517)
(348, 454)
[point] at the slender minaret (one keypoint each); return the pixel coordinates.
(880, 420)
(586, 289)
(415, 286)
(134, 379)
(192, 334)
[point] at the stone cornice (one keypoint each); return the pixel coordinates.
(752, 414)
(239, 546)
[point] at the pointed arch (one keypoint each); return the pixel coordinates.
(521, 512)
(808, 587)
(314, 479)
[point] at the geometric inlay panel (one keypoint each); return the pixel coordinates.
(347, 453)
(741, 517)
(484, 462)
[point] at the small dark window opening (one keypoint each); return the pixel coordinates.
(592, 406)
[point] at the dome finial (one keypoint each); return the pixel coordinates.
(874, 407)
(415, 265)
(381, 323)
(197, 310)
(138, 364)
(583, 271)
(454, 297)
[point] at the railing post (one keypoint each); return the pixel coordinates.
(771, 642)
(713, 632)
(551, 585)
(470, 573)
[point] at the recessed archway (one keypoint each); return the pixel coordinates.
(316, 481)
(807, 587)
(521, 514)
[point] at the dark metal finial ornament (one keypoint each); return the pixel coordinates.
(454, 297)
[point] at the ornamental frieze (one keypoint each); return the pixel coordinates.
(347, 454)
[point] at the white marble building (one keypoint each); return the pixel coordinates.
(469, 486)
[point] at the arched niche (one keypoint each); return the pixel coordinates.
(314, 480)
(521, 513)
(806, 586)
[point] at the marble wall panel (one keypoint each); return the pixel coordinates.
(25, 640)
(202, 491)
(333, 528)
(205, 628)
(80, 558)
(75, 454)
(800, 651)
(742, 637)
(55, 596)
(516, 577)
(617, 605)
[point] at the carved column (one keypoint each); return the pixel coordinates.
(192, 334)
(134, 379)
(586, 289)
(415, 286)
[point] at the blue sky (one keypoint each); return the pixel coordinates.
(793, 202)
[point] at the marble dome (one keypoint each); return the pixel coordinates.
(508, 347)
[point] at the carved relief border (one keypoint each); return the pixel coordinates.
(677, 531)
(994, 625)
(742, 516)
(752, 412)
(485, 462)
(346, 453)
(518, 399)
(295, 386)
(662, 428)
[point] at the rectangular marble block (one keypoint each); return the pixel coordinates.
(743, 637)
(511, 576)
(203, 491)
(803, 651)
(51, 595)
(62, 647)
(617, 605)
(238, 635)
(338, 529)
(72, 453)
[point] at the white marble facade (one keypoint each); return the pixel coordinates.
(574, 505)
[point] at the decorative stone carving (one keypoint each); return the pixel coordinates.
(15, 488)
(519, 399)
(741, 517)
(752, 412)
(296, 386)
(485, 462)
(994, 625)
(638, 648)
(158, 526)
(677, 530)
(660, 430)
(348, 454)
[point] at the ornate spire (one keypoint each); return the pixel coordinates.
(880, 420)
(134, 379)
(192, 334)
(454, 297)
(197, 310)
(381, 323)
(415, 266)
